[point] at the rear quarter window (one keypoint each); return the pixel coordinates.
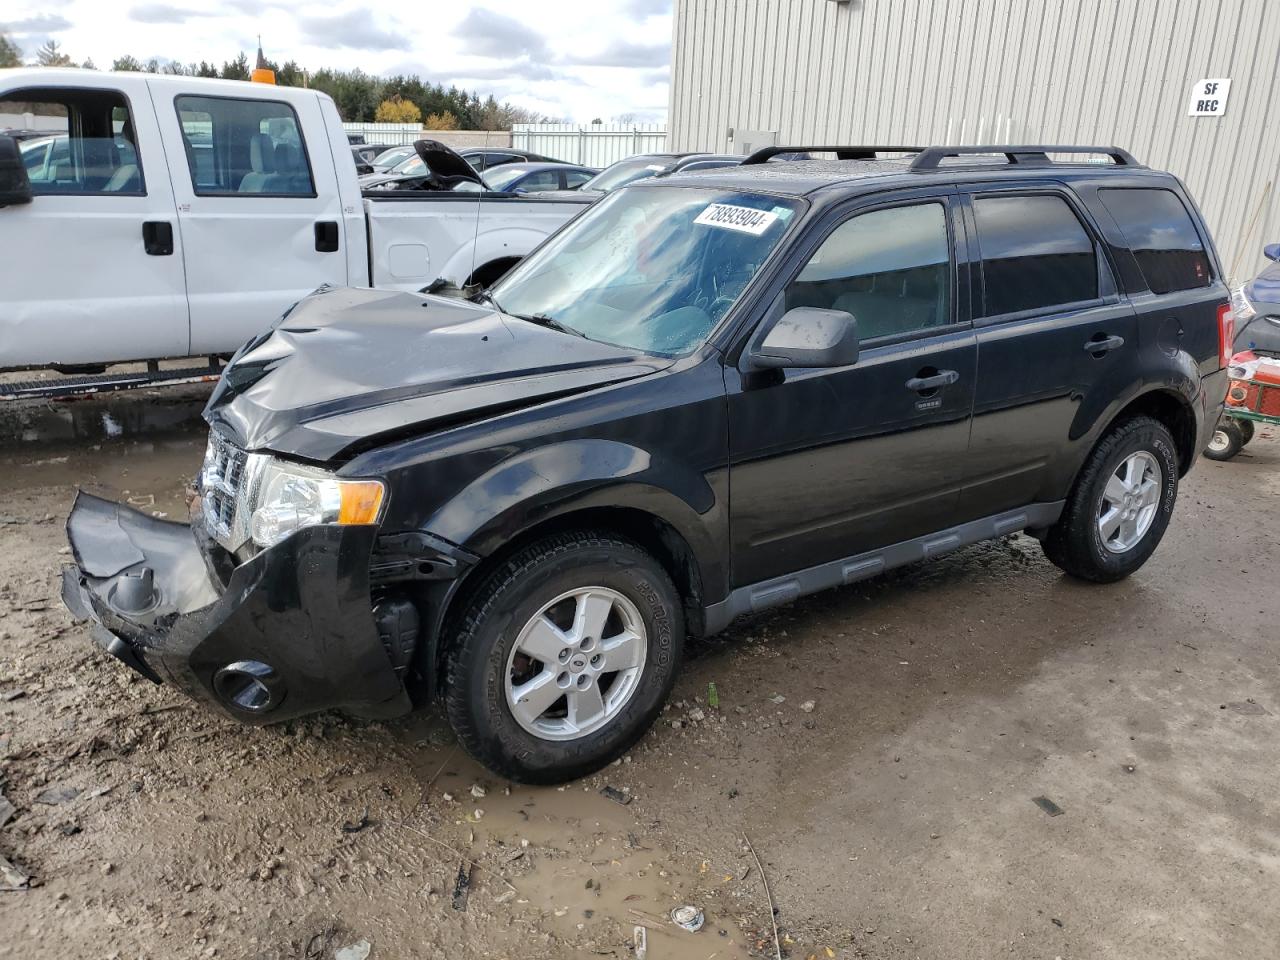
(1162, 237)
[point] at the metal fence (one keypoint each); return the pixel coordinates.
(394, 134)
(595, 144)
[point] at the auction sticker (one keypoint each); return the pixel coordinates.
(742, 219)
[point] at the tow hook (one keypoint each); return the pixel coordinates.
(134, 592)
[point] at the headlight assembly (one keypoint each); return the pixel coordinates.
(290, 496)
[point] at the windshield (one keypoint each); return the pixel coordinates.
(410, 166)
(624, 172)
(650, 269)
(499, 178)
(388, 157)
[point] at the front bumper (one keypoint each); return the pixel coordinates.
(291, 631)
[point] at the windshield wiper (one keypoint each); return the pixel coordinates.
(542, 320)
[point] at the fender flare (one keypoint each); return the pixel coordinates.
(549, 482)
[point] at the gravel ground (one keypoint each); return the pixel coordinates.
(880, 746)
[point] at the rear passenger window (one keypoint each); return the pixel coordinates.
(890, 268)
(1162, 237)
(1035, 254)
(88, 146)
(243, 147)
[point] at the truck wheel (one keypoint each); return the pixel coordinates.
(564, 657)
(1120, 505)
(1226, 441)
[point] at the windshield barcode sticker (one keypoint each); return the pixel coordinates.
(743, 219)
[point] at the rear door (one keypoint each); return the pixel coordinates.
(93, 265)
(1056, 344)
(828, 463)
(258, 205)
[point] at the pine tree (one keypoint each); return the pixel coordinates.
(10, 55)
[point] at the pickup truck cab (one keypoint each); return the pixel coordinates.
(180, 216)
(710, 394)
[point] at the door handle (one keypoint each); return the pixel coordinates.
(943, 378)
(327, 236)
(1100, 345)
(157, 238)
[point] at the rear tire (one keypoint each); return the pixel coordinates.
(1120, 505)
(1227, 440)
(1246, 431)
(528, 685)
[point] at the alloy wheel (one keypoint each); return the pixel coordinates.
(576, 663)
(1130, 501)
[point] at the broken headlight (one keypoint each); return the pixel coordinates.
(290, 496)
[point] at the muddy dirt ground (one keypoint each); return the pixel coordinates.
(894, 817)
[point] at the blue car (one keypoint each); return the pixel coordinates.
(532, 177)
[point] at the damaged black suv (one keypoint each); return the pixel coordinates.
(709, 394)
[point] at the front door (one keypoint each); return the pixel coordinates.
(258, 203)
(93, 265)
(828, 463)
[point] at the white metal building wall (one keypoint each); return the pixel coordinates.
(972, 71)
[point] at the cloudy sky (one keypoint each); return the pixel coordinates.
(566, 58)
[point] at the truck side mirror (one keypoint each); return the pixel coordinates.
(808, 337)
(15, 185)
(1271, 251)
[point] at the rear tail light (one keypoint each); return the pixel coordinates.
(1226, 334)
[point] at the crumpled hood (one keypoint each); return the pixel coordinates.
(349, 365)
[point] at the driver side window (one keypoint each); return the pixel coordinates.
(890, 268)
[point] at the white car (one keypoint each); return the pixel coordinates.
(180, 216)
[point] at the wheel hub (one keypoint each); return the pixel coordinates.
(576, 663)
(1130, 502)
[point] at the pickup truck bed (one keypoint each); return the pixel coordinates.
(174, 217)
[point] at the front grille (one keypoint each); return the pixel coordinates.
(221, 481)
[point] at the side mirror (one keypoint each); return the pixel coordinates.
(808, 337)
(1271, 251)
(15, 186)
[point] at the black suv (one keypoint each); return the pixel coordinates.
(709, 394)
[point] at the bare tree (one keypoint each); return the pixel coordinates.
(51, 55)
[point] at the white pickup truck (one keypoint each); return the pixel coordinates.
(177, 217)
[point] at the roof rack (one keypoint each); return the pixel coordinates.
(764, 154)
(1017, 155)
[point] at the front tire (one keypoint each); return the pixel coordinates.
(564, 657)
(1120, 506)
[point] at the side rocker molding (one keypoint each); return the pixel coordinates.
(755, 597)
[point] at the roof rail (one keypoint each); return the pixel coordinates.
(764, 154)
(1017, 154)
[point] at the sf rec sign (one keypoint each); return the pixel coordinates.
(1209, 97)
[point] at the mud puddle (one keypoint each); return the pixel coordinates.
(585, 856)
(142, 448)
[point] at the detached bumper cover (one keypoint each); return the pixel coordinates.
(300, 609)
(1213, 393)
